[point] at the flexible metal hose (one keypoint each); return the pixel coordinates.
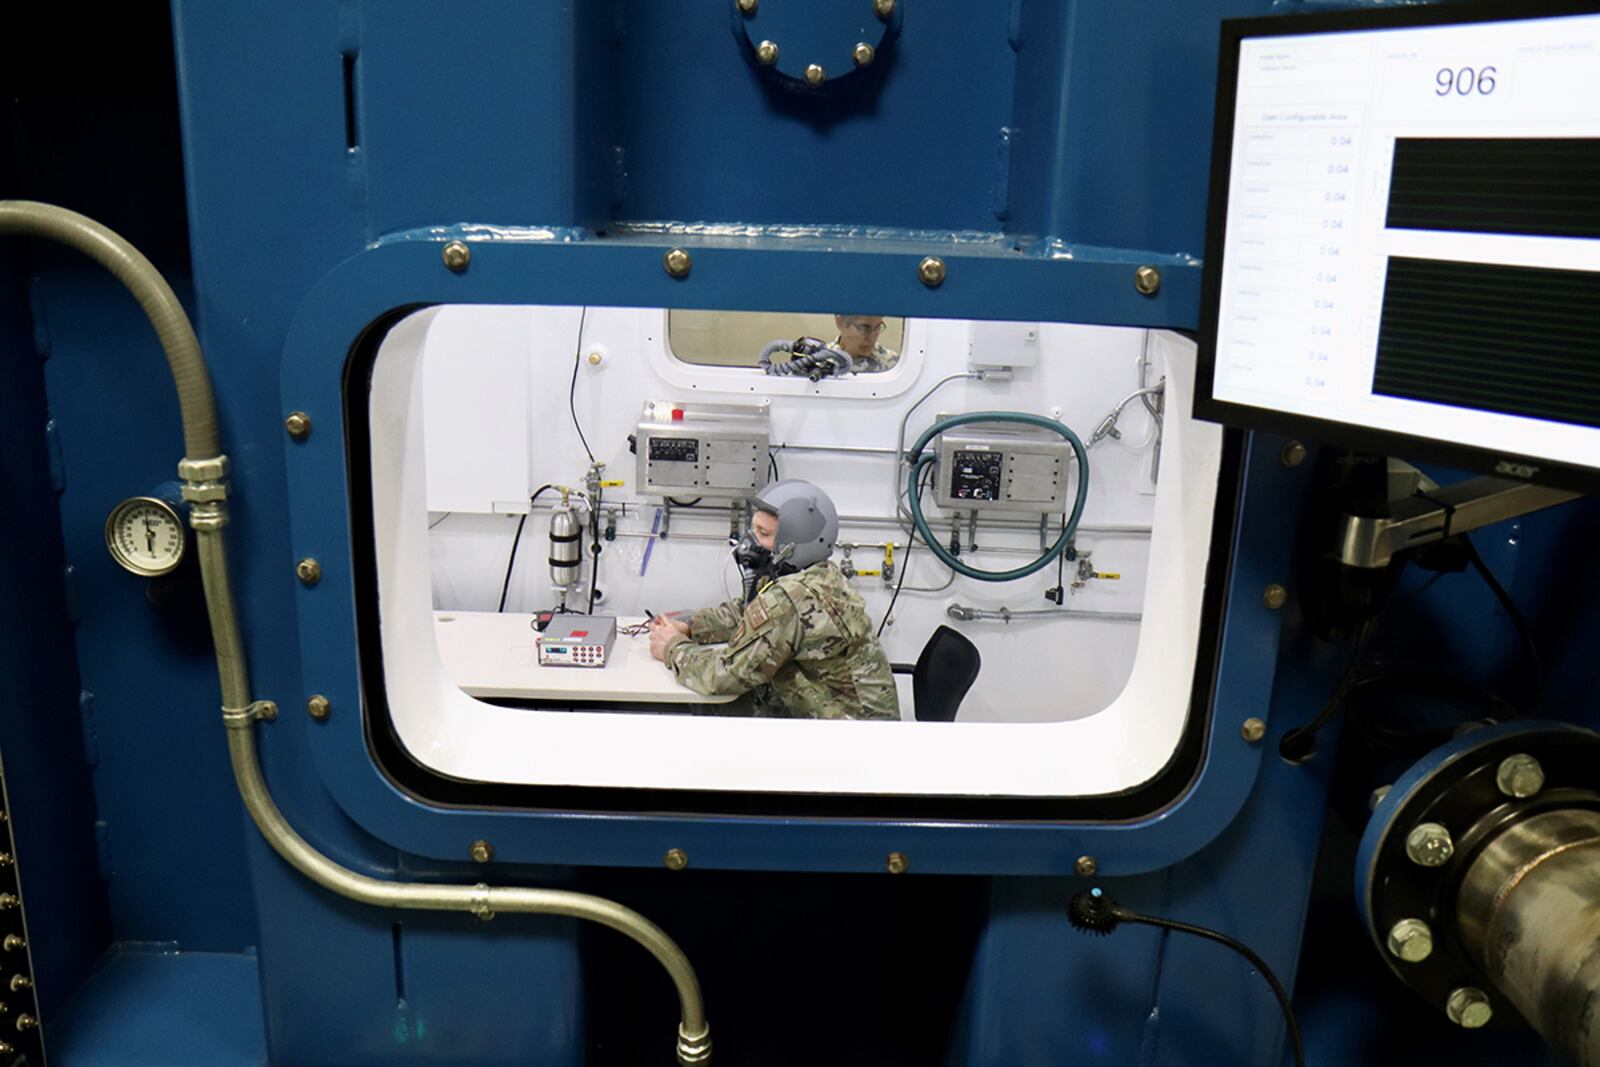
(205, 473)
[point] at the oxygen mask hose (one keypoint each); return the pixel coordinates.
(920, 460)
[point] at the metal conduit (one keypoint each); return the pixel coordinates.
(206, 489)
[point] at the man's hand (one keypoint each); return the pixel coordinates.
(663, 630)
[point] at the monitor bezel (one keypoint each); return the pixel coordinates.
(1532, 469)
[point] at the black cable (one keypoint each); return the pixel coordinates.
(905, 560)
(675, 502)
(440, 519)
(772, 464)
(1535, 662)
(512, 562)
(594, 538)
(1300, 743)
(1091, 911)
(572, 390)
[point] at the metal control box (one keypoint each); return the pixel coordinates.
(577, 641)
(702, 450)
(1002, 469)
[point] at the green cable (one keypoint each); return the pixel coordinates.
(919, 461)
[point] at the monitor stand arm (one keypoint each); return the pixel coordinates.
(1420, 519)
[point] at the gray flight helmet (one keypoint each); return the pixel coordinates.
(807, 520)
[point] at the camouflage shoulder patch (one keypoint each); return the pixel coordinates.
(756, 613)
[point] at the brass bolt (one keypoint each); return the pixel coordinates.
(767, 52)
(931, 271)
(1293, 454)
(5, 859)
(863, 54)
(318, 707)
(1377, 797)
(12, 942)
(27, 1022)
(677, 263)
(1275, 596)
(19, 982)
(1147, 280)
(457, 255)
(266, 710)
(884, 8)
(676, 859)
(309, 571)
(1253, 730)
(5, 1049)
(595, 359)
(896, 863)
(815, 75)
(747, 6)
(298, 424)
(481, 851)
(1087, 867)
(8, 901)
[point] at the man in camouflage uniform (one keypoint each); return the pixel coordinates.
(858, 339)
(803, 645)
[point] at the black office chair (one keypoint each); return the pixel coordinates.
(943, 673)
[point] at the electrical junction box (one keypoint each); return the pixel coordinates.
(577, 641)
(1001, 468)
(702, 450)
(994, 345)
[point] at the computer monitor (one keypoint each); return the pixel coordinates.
(1403, 245)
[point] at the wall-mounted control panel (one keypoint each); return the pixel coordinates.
(983, 468)
(702, 450)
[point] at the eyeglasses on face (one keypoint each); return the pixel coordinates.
(865, 329)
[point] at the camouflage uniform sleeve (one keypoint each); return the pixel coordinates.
(766, 639)
(710, 626)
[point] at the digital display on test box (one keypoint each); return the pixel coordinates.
(1411, 244)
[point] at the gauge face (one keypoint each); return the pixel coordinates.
(145, 536)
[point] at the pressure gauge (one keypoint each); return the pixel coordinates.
(145, 535)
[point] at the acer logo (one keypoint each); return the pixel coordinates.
(1515, 470)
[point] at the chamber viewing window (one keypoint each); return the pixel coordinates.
(546, 479)
(764, 339)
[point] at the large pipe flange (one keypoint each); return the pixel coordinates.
(1478, 879)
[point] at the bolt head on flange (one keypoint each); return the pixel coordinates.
(1411, 940)
(676, 859)
(481, 851)
(931, 271)
(1087, 867)
(815, 75)
(747, 6)
(1293, 454)
(896, 863)
(1253, 730)
(863, 54)
(1275, 596)
(1429, 845)
(767, 53)
(884, 8)
(1147, 280)
(1520, 776)
(677, 263)
(298, 423)
(309, 571)
(318, 707)
(456, 256)
(1469, 1008)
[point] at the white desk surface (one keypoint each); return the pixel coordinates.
(493, 654)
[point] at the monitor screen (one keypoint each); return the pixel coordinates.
(1403, 252)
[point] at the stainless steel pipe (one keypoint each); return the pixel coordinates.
(1528, 913)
